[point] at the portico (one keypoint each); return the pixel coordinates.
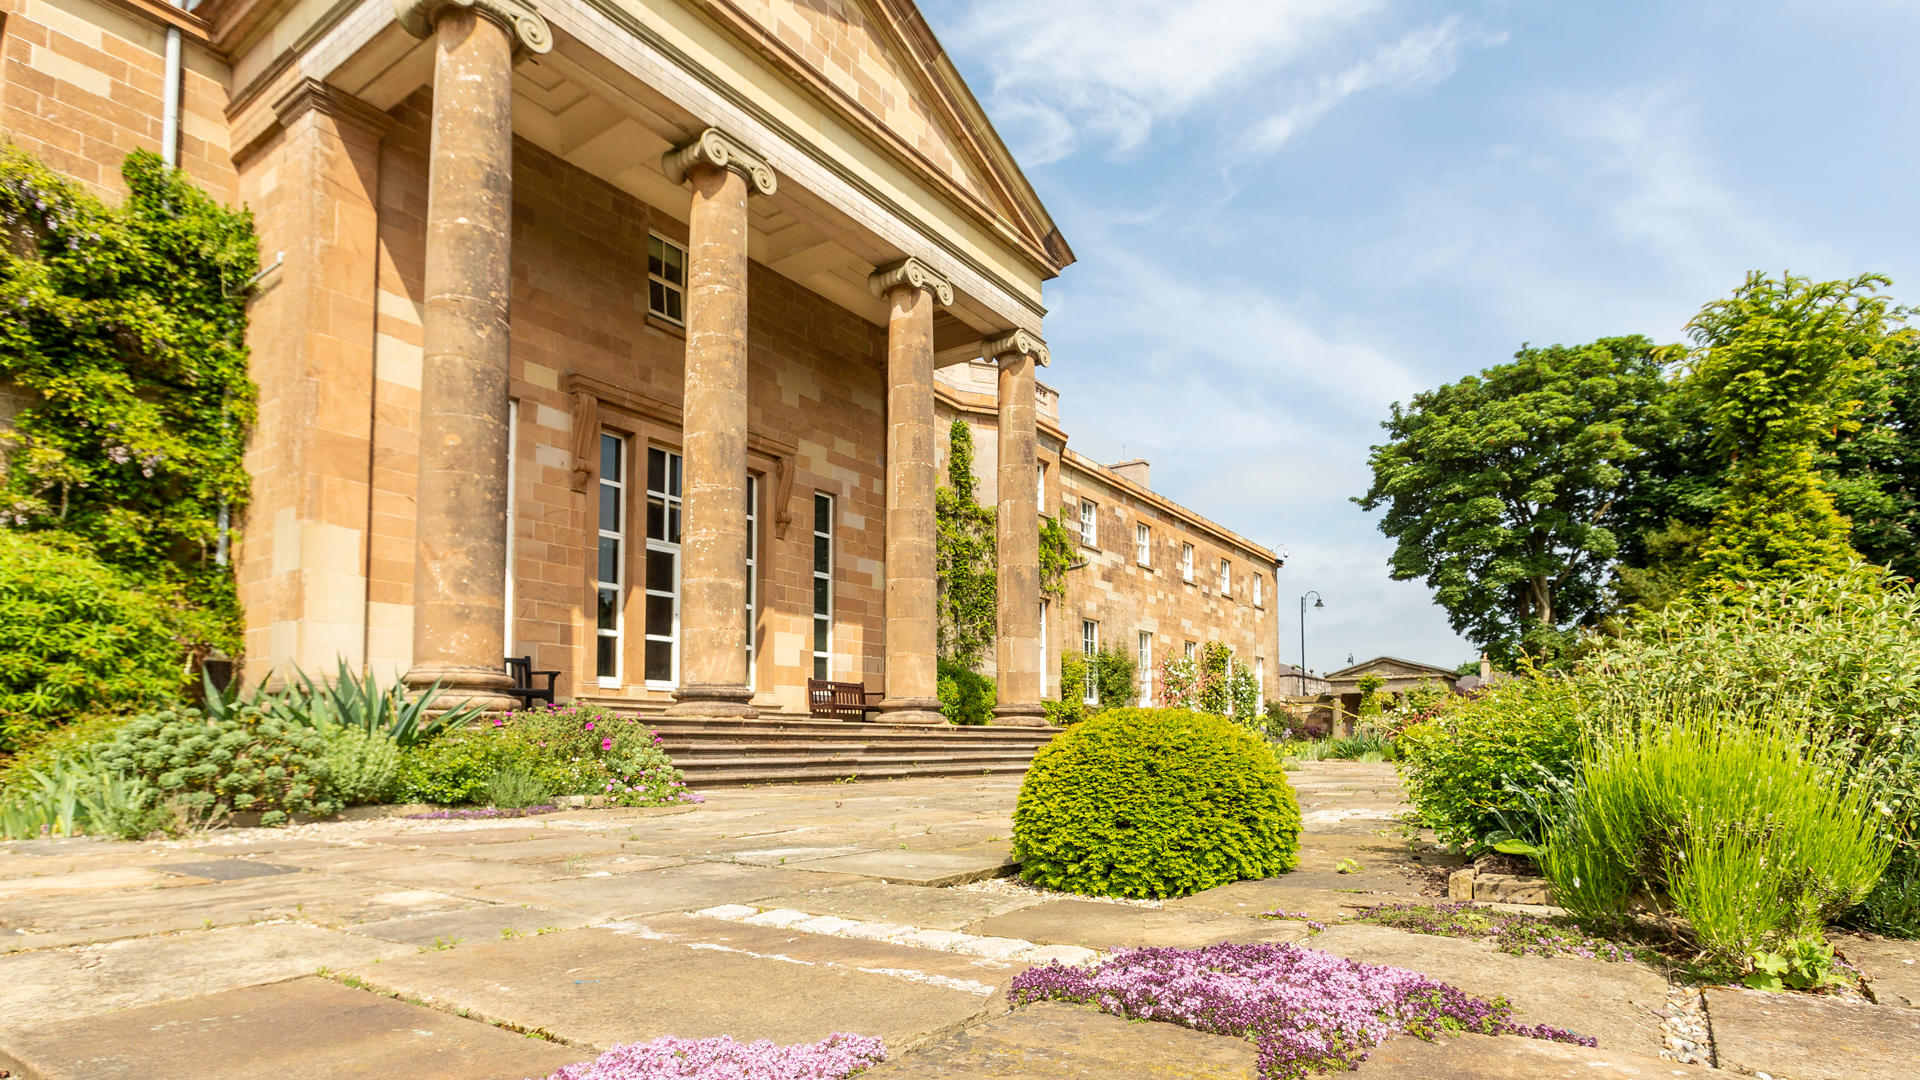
(655, 307)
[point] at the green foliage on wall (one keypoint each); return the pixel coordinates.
(1214, 692)
(1369, 686)
(125, 351)
(965, 558)
(1058, 546)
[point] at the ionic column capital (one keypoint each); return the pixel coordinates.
(721, 150)
(1015, 341)
(521, 18)
(910, 271)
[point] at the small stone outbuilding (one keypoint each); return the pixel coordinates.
(1401, 676)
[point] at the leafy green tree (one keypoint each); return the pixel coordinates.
(964, 557)
(1873, 470)
(1776, 366)
(1502, 490)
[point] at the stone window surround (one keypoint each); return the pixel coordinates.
(649, 421)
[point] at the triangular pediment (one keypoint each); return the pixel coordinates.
(1393, 667)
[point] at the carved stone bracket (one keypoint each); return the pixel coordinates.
(910, 271)
(522, 19)
(1015, 341)
(586, 438)
(717, 148)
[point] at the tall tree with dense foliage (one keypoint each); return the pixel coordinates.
(1873, 470)
(1776, 367)
(1502, 489)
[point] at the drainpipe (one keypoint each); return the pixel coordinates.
(170, 100)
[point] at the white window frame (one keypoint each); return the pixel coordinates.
(753, 563)
(1193, 650)
(671, 512)
(610, 590)
(1142, 543)
(513, 448)
(1090, 648)
(1186, 563)
(1259, 590)
(1040, 488)
(1146, 669)
(666, 283)
(1089, 523)
(1226, 577)
(822, 578)
(1260, 678)
(1044, 677)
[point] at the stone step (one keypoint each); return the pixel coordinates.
(892, 746)
(801, 771)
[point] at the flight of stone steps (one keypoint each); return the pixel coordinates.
(722, 753)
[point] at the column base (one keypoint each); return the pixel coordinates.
(1031, 714)
(911, 710)
(719, 702)
(463, 685)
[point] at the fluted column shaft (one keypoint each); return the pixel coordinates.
(1017, 542)
(459, 603)
(912, 615)
(713, 589)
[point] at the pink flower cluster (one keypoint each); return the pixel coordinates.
(839, 1055)
(1305, 1010)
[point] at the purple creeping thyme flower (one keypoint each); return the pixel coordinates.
(839, 1055)
(1306, 1010)
(1518, 934)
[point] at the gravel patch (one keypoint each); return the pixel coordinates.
(1685, 1036)
(1013, 886)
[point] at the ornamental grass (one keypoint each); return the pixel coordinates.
(835, 1057)
(1305, 1010)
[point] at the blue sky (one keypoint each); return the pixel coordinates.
(1291, 213)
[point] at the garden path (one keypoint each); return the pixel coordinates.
(432, 949)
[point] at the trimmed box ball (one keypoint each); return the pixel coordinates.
(1150, 803)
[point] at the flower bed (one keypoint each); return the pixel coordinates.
(839, 1055)
(1518, 934)
(1305, 1010)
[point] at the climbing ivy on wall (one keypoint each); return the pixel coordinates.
(964, 553)
(123, 359)
(1058, 544)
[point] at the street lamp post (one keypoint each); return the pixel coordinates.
(1303, 636)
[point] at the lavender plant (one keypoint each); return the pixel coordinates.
(839, 1055)
(1518, 934)
(1305, 1010)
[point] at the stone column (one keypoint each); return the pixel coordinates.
(911, 289)
(1017, 533)
(460, 556)
(713, 548)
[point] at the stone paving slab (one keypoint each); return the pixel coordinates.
(1055, 1041)
(462, 837)
(95, 916)
(1509, 1057)
(908, 905)
(1253, 897)
(695, 978)
(1094, 925)
(89, 881)
(420, 869)
(481, 922)
(689, 887)
(1615, 1003)
(306, 1029)
(535, 850)
(1802, 1037)
(53, 985)
(1891, 967)
(928, 869)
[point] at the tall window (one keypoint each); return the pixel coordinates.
(1192, 648)
(1089, 525)
(1142, 544)
(611, 575)
(1089, 646)
(1260, 675)
(753, 548)
(1146, 669)
(666, 279)
(1186, 562)
(663, 568)
(1258, 583)
(1040, 490)
(1226, 577)
(1043, 648)
(822, 585)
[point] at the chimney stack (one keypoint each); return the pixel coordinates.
(1135, 470)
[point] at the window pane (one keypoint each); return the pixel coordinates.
(673, 523)
(820, 598)
(659, 661)
(609, 508)
(660, 575)
(820, 667)
(676, 270)
(656, 469)
(607, 665)
(673, 475)
(660, 615)
(609, 559)
(673, 307)
(656, 254)
(609, 606)
(656, 519)
(822, 554)
(609, 458)
(656, 298)
(819, 635)
(822, 514)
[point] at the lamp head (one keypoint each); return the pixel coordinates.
(1319, 603)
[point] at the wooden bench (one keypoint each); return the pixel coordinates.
(521, 668)
(832, 700)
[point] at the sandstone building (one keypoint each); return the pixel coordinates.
(611, 333)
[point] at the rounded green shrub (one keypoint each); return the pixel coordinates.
(361, 765)
(1471, 770)
(1154, 803)
(209, 766)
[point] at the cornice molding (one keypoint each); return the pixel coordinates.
(312, 94)
(910, 271)
(1017, 341)
(721, 150)
(521, 18)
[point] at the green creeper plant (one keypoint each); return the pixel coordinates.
(964, 553)
(1370, 704)
(1213, 693)
(125, 343)
(1059, 547)
(1776, 365)
(1114, 676)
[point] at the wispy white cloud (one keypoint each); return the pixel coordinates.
(1414, 61)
